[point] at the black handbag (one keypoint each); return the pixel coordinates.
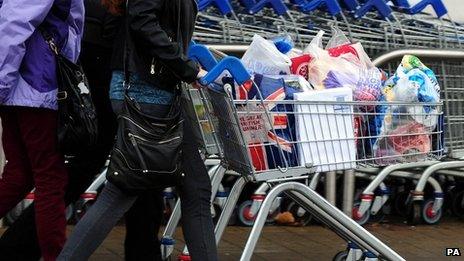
(147, 151)
(77, 118)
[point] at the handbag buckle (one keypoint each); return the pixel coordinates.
(62, 95)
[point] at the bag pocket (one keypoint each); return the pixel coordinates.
(157, 155)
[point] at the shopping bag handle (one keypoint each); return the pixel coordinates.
(231, 64)
(332, 6)
(224, 6)
(380, 5)
(278, 6)
(202, 55)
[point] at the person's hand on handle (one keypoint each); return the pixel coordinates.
(200, 75)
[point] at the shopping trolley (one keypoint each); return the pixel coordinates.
(282, 169)
(448, 64)
(418, 208)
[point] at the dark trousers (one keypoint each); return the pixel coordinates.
(30, 143)
(195, 193)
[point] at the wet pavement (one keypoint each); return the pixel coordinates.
(315, 242)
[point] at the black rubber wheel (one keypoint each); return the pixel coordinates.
(428, 216)
(414, 216)
(301, 216)
(340, 256)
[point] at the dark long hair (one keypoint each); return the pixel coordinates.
(115, 7)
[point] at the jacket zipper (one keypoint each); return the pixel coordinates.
(139, 153)
(160, 142)
(140, 127)
(169, 140)
(153, 64)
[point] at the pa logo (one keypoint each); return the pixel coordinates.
(453, 252)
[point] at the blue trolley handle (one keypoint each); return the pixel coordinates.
(332, 6)
(202, 55)
(231, 64)
(380, 5)
(437, 5)
(278, 6)
(351, 5)
(401, 3)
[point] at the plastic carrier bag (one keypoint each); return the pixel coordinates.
(343, 64)
(263, 57)
(403, 129)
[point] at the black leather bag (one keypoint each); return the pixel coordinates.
(77, 117)
(148, 149)
(147, 152)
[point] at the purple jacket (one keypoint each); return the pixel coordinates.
(27, 65)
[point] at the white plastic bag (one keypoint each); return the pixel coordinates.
(2, 152)
(263, 57)
(322, 63)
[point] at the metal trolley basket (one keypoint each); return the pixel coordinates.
(284, 165)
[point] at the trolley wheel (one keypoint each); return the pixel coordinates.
(340, 256)
(428, 215)
(301, 216)
(414, 213)
(361, 220)
(244, 215)
(82, 209)
(457, 204)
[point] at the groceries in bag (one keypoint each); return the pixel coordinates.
(404, 129)
(263, 57)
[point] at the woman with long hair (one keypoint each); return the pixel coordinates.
(151, 47)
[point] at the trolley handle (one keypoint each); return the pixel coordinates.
(380, 5)
(351, 5)
(248, 4)
(332, 6)
(278, 6)
(437, 5)
(224, 6)
(201, 54)
(231, 64)
(401, 3)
